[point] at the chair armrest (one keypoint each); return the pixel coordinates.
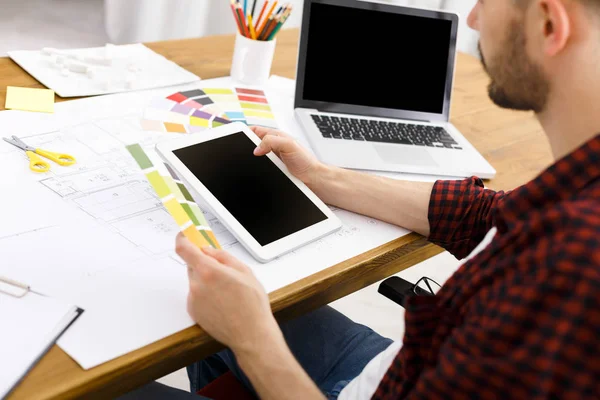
(395, 289)
(398, 290)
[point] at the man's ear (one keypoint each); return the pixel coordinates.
(554, 25)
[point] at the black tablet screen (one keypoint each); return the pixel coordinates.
(253, 189)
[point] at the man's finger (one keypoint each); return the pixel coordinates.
(276, 144)
(200, 265)
(262, 131)
(206, 269)
(186, 249)
(225, 258)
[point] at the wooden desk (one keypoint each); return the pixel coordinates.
(512, 142)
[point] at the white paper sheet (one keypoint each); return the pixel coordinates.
(29, 326)
(107, 244)
(139, 304)
(132, 67)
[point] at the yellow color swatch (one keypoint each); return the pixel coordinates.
(177, 212)
(195, 121)
(258, 114)
(191, 232)
(212, 237)
(217, 91)
(158, 184)
(255, 106)
(29, 99)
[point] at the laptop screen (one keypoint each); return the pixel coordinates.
(372, 58)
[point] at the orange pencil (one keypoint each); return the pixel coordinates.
(267, 16)
(262, 11)
(273, 22)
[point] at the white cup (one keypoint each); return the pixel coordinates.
(252, 60)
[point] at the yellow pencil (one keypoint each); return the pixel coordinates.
(251, 26)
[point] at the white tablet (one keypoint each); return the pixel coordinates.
(268, 210)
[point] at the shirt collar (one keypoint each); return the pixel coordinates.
(564, 179)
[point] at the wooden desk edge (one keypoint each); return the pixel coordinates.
(181, 349)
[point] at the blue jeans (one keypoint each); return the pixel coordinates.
(331, 348)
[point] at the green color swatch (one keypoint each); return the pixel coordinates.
(199, 215)
(174, 188)
(185, 192)
(140, 156)
(190, 213)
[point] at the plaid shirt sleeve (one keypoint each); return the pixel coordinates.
(461, 213)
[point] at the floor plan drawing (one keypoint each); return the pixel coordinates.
(95, 233)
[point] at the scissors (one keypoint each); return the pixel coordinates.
(36, 164)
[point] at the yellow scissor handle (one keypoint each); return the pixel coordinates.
(36, 164)
(59, 158)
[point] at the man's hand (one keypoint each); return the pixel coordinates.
(226, 299)
(229, 303)
(298, 160)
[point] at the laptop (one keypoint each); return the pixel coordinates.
(373, 89)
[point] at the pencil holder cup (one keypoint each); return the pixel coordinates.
(252, 60)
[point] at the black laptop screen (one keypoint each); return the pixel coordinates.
(376, 59)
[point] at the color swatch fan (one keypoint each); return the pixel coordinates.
(176, 199)
(196, 110)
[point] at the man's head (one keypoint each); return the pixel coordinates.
(524, 46)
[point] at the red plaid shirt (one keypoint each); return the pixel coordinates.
(521, 319)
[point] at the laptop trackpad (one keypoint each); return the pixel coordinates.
(405, 155)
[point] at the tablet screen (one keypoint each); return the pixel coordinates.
(253, 189)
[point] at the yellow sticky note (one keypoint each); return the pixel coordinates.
(29, 99)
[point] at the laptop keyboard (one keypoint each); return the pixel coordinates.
(384, 131)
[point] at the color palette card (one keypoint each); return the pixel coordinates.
(179, 118)
(255, 107)
(196, 110)
(228, 101)
(199, 100)
(176, 199)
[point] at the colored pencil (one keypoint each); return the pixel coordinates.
(262, 11)
(241, 15)
(267, 17)
(245, 3)
(236, 17)
(286, 14)
(253, 8)
(252, 31)
(276, 18)
(271, 27)
(267, 25)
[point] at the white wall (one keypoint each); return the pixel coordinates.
(130, 21)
